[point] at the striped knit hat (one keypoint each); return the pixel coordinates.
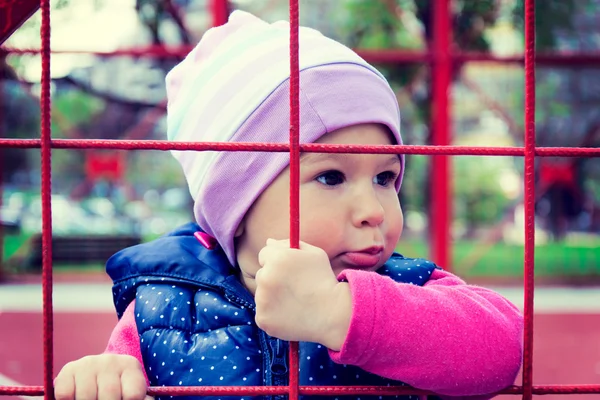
(234, 87)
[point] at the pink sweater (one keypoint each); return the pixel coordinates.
(458, 340)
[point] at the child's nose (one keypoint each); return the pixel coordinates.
(368, 210)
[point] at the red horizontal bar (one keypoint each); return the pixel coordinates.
(567, 151)
(21, 390)
(284, 390)
(218, 390)
(562, 58)
(398, 390)
(147, 51)
(555, 389)
(389, 56)
(307, 148)
(374, 56)
(309, 390)
(400, 56)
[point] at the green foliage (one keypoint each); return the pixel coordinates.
(592, 183)
(68, 165)
(19, 111)
(412, 194)
(12, 244)
(73, 108)
(505, 260)
(479, 196)
(73, 111)
(160, 170)
(390, 23)
(407, 24)
(472, 19)
(375, 25)
(19, 118)
(551, 17)
(79, 106)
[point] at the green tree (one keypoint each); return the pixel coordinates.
(19, 119)
(407, 24)
(481, 200)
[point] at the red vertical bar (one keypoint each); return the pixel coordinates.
(294, 167)
(46, 203)
(2, 60)
(440, 210)
(529, 196)
(294, 126)
(220, 12)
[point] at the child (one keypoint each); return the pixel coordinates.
(214, 302)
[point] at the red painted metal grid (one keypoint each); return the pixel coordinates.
(374, 56)
(120, 144)
(294, 363)
(46, 189)
(529, 152)
(440, 215)
(219, 11)
(529, 176)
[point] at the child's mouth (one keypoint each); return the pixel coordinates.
(362, 259)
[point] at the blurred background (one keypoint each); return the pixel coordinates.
(109, 61)
(101, 91)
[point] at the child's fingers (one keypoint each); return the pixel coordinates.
(278, 243)
(109, 386)
(64, 386)
(264, 254)
(269, 253)
(133, 384)
(85, 385)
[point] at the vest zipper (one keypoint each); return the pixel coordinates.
(278, 357)
(278, 363)
(239, 301)
(275, 350)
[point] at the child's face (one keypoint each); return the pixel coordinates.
(348, 206)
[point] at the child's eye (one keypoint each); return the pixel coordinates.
(385, 178)
(331, 178)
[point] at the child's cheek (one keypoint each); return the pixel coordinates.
(395, 226)
(323, 233)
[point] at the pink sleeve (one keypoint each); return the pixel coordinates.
(124, 339)
(448, 337)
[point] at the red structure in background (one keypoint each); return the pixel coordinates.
(220, 11)
(441, 179)
(441, 59)
(13, 13)
(104, 165)
(558, 174)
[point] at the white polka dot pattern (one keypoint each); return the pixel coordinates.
(196, 321)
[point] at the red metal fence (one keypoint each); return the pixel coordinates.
(441, 59)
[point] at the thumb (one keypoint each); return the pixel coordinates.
(262, 255)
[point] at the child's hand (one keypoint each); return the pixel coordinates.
(103, 376)
(298, 297)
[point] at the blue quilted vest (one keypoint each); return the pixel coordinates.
(196, 320)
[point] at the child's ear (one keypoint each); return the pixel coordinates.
(240, 229)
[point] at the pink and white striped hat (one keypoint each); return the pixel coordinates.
(234, 87)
